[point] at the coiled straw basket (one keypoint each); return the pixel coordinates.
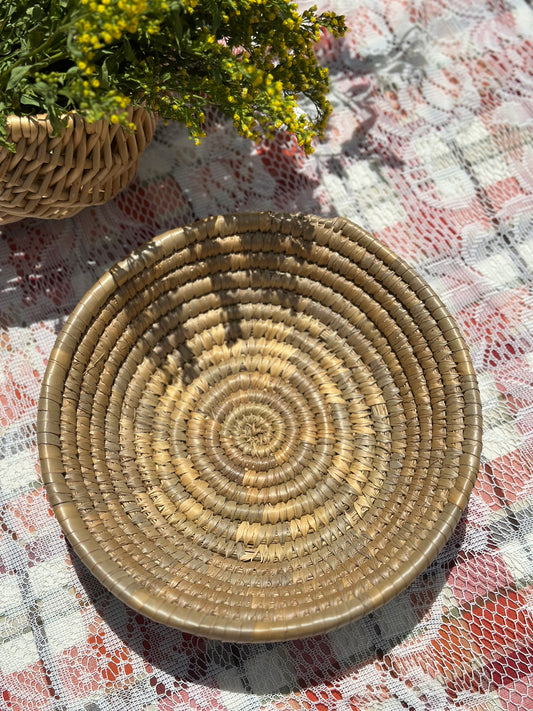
(259, 427)
(53, 177)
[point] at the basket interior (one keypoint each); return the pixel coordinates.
(259, 427)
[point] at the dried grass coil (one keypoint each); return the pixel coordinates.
(259, 426)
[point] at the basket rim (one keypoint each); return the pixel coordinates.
(72, 115)
(24, 125)
(102, 565)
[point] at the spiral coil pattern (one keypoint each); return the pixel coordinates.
(259, 427)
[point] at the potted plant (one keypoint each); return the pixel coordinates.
(82, 82)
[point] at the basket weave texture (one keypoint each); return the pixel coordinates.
(259, 427)
(53, 177)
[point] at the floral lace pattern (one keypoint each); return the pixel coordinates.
(430, 147)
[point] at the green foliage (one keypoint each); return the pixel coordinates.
(252, 59)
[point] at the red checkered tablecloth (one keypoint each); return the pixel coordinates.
(430, 147)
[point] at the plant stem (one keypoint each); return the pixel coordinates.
(42, 48)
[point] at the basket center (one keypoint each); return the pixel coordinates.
(255, 429)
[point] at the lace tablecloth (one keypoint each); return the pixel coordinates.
(430, 147)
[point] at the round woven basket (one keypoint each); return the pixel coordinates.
(259, 427)
(53, 177)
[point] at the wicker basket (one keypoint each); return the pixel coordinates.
(259, 427)
(52, 177)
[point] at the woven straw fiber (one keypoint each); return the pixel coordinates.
(52, 177)
(259, 427)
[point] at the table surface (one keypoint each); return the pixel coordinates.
(430, 147)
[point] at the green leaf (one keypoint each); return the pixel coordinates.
(17, 73)
(42, 88)
(128, 51)
(36, 37)
(34, 13)
(71, 73)
(29, 100)
(105, 73)
(216, 19)
(176, 23)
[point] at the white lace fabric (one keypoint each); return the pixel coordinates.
(429, 147)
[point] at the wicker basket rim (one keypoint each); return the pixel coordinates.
(41, 119)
